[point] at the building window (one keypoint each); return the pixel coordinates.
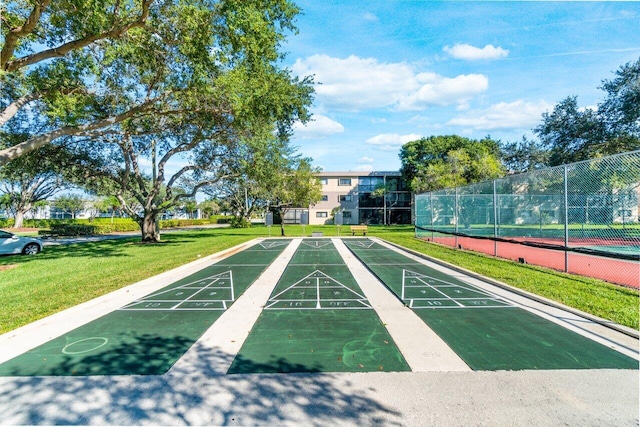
(324, 181)
(321, 215)
(345, 198)
(344, 181)
(325, 198)
(346, 214)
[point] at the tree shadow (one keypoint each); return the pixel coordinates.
(197, 392)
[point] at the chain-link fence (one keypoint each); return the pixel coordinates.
(581, 218)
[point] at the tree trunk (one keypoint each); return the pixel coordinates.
(19, 219)
(150, 231)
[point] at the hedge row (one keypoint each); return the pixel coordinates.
(86, 228)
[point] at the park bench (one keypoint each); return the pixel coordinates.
(358, 229)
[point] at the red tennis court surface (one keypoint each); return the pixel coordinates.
(622, 272)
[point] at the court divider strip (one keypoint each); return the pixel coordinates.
(223, 340)
(423, 350)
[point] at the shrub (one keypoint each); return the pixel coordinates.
(62, 229)
(240, 222)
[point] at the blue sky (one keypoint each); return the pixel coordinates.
(391, 71)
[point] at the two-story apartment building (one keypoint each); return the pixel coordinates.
(362, 198)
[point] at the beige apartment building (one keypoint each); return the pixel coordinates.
(361, 198)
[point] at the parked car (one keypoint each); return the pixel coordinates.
(12, 244)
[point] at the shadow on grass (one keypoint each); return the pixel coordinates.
(195, 392)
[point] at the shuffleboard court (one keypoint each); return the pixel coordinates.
(317, 319)
(147, 336)
(486, 331)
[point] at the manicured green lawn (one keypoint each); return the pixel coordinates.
(66, 275)
(63, 276)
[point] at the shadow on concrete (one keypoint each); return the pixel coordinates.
(195, 392)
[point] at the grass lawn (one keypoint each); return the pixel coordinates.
(63, 276)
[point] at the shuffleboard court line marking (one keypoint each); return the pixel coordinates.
(419, 277)
(363, 243)
(272, 244)
(227, 335)
(210, 280)
(314, 281)
(102, 342)
(315, 244)
(421, 347)
(465, 286)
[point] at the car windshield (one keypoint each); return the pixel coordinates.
(5, 234)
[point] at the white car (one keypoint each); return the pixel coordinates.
(12, 244)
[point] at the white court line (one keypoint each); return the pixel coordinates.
(420, 277)
(422, 348)
(219, 345)
(315, 275)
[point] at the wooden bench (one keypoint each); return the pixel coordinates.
(358, 229)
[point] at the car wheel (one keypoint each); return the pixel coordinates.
(31, 249)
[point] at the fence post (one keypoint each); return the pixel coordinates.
(495, 218)
(455, 216)
(433, 236)
(566, 221)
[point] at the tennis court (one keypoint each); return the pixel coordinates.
(316, 317)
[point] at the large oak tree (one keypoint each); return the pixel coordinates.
(148, 82)
(90, 66)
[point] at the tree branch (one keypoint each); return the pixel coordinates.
(14, 35)
(12, 109)
(36, 142)
(199, 186)
(62, 50)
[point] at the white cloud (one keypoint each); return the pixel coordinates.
(391, 141)
(438, 90)
(368, 16)
(365, 160)
(504, 115)
(320, 126)
(355, 83)
(471, 53)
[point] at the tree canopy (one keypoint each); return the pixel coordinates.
(570, 133)
(92, 67)
(445, 161)
(149, 82)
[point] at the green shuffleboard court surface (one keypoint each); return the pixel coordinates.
(318, 320)
(487, 332)
(146, 337)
